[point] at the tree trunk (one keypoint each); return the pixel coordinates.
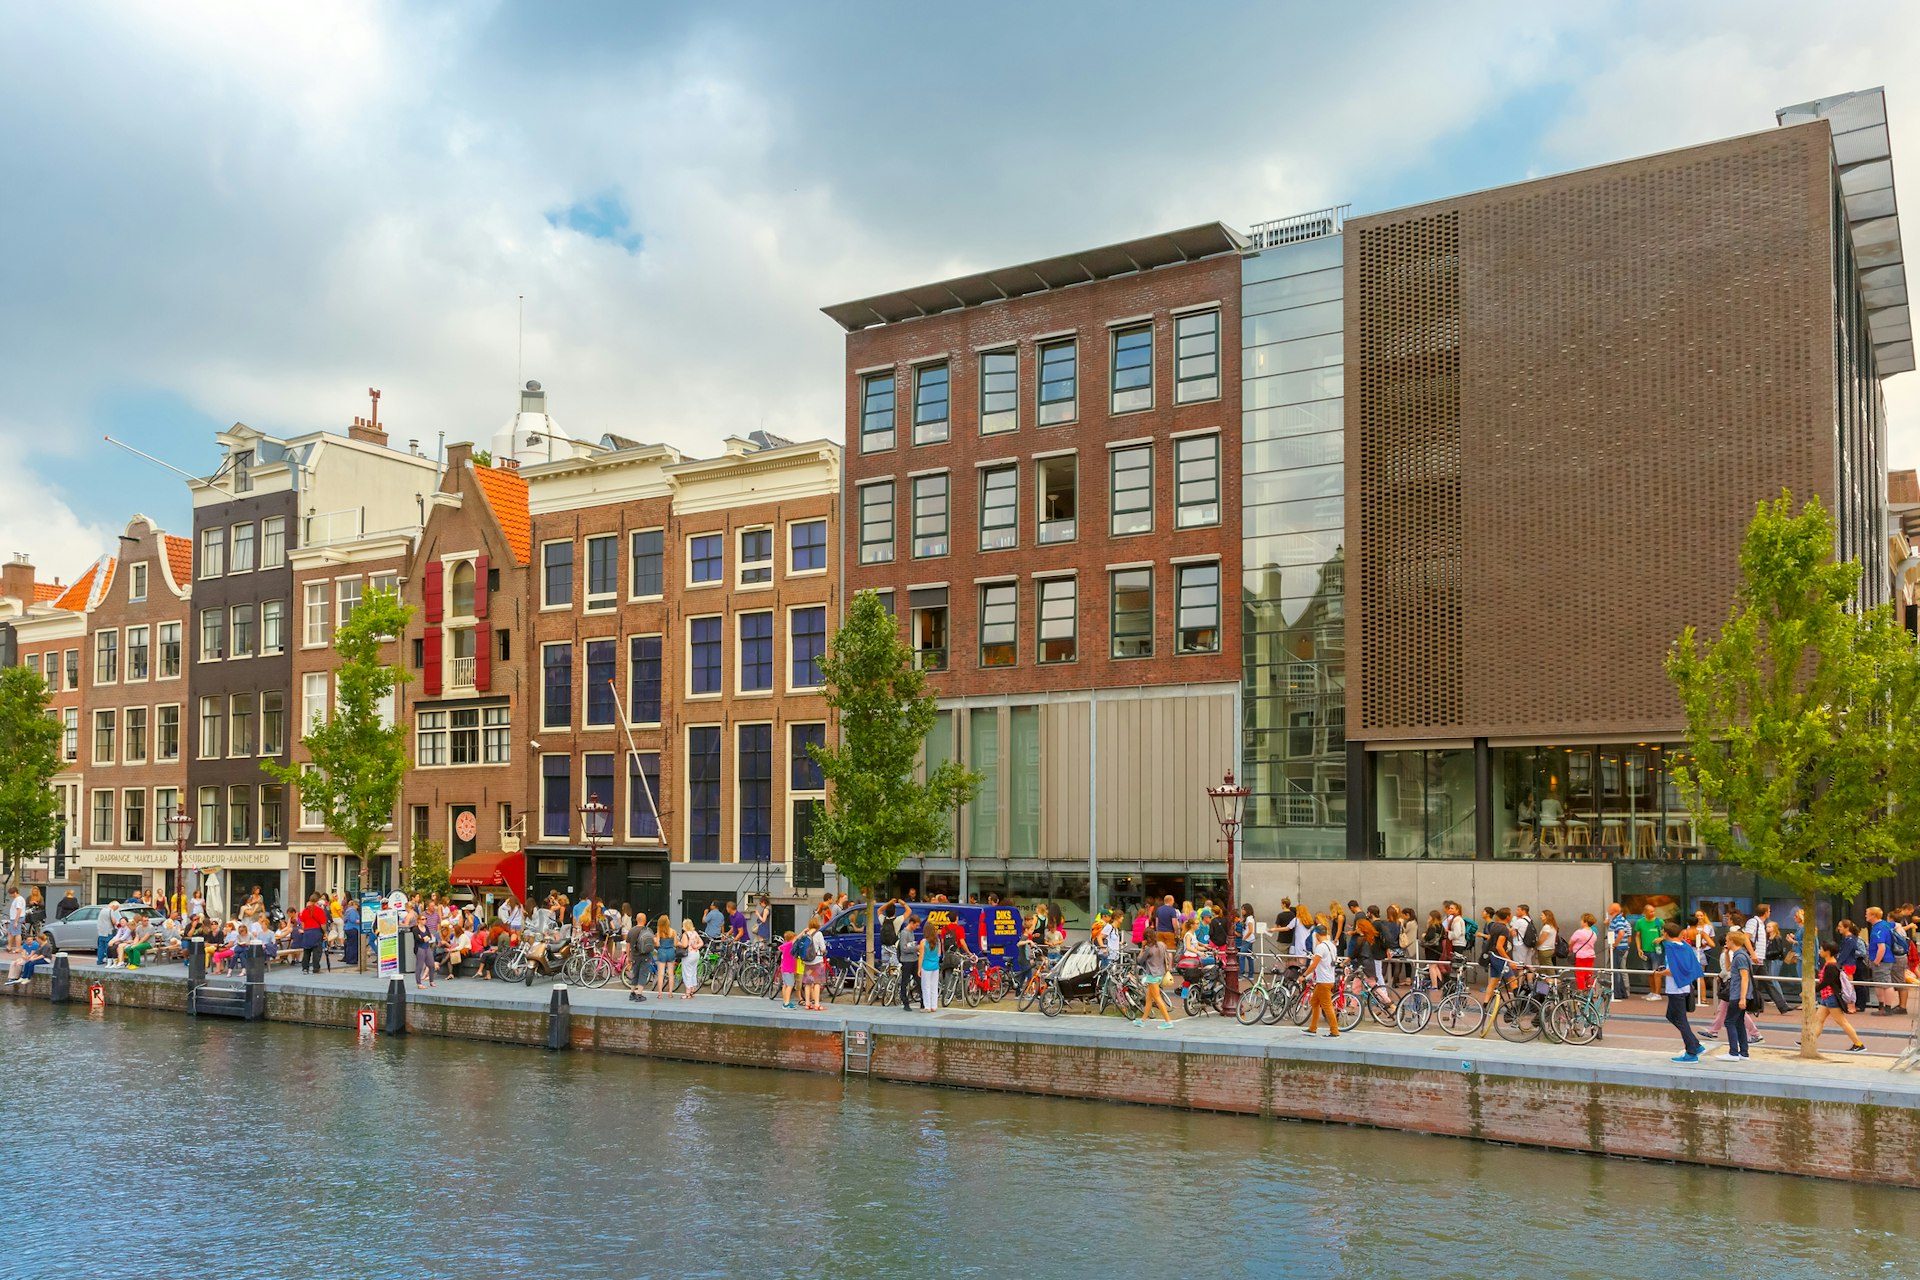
(872, 907)
(1809, 976)
(360, 949)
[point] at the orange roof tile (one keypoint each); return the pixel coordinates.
(180, 559)
(48, 592)
(81, 594)
(506, 493)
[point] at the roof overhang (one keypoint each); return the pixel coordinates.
(1863, 155)
(1163, 250)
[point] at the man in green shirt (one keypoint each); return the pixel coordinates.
(1646, 946)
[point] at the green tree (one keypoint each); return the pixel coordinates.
(358, 762)
(878, 812)
(1802, 730)
(427, 871)
(29, 757)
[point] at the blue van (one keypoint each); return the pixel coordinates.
(992, 931)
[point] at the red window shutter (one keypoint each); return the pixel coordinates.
(432, 673)
(435, 591)
(480, 593)
(482, 653)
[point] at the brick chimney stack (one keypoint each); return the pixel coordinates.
(458, 455)
(16, 579)
(369, 430)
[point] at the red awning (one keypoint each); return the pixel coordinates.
(483, 869)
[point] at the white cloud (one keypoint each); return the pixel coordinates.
(35, 522)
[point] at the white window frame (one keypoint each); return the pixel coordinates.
(541, 585)
(741, 564)
(98, 636)
(586, 683)
(316, 596)
(773, 653)
(308, 720)
(633, 578)
(233, 542)
(219, 706)
(261, 623)
(126, 654)
(575, 671)
(826, 546)
(126, 735)
(687, 551)
(690, 664)
(211, 562)
(787, 666)
(160, 647)
(179, 733)
(341, 611)
(606, 601)
(110, 717)
(273, 533)
(137, 579)
(1040, 619)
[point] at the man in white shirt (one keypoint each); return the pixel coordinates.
(16, 919)
(1323, 953)
(1522, 953)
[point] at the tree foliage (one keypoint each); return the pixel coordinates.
(357, 761)
(878, 812)
(29, 757)
(1801, 723)
(427, 871)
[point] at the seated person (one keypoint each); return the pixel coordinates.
(122, 938)
(229, 947)
(40, 951)
(142, 942)
(459, 946)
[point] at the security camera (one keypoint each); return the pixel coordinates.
(534, 743)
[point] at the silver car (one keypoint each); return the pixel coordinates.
(79, 930)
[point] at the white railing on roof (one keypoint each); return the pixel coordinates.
(1300, 226)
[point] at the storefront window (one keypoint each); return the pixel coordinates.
(1424, 804)
(1618, 802)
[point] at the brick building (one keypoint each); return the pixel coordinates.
(134, 734)
(43, 627)
(1043, 470)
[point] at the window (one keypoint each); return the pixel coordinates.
(312, 819)
(876, 412)
(166, 809)
(1059, 620)
(240, 814)
(136, 735)
(1196, 355)
(1196, 469)
(104, 724)
(169, 650)
(649, 567)
(704, 669)
(243, 631)
(213, 634)
(643, 679)
(807, 546)
(166, 733)
(313, 700)
(703, 794)
(999, 392)
(242, 549)
(461, 584)
(463, 669)
(1197, 600)
(556, 567)
(603, 571)
(32, 663)
(755, 784)
(807, 644)
(599, 782)
(319, 619)
(556, 666)
(213, 552)
(349, 596)
(273, 810)
(273, 723)
(383, 584)
(756, 652)
(930, 403)
(212, 713)
(207, 830)
(73, 670)
(430, 739)
(999, 508)
(643, 795)
(1132, 504)
(1133, 368)
(70, 745)
(133, 810)
(876, 522)
(273, 626)
(1131, 591)
(1059, 365)
(240, 726)
(137, 582)
(496, 737)
(601, 696)
(103, 817)
(930, 636)
(106, 657)
(930, 515)
(556, 796)
(756, 557)
(137, 652)
(273, 542)
(1056, 485)
(999, 624)
(804, 773)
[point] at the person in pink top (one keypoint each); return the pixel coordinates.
(788, 968)
(1140, 926)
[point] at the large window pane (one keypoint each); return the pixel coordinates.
(1131, 503)
(1131, 592)
(1059, 365)
(1424, 804)
(876, 411)
(1023, 782)
(1196, 342)
(999, 508)
(930, 400)
(999, 624)
(983, 818)
(1132, 368)
(999, 392)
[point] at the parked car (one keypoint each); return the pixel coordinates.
(78, 931)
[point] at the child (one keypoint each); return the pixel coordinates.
(788, 969)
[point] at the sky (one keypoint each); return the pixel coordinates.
(221, 212)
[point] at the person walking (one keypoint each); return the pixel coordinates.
(423, 940)
(1880, 958)
(1157, 972)
(1680, 965)
(929, 967)
(1830, 992)
(1739, 961)
(1322, 979)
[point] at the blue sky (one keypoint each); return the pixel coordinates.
(226, 211)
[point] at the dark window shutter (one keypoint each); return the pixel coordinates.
(435, 590)
(482, 588)
(482, 654)
(430, 677)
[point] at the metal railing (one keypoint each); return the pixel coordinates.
(1300, 226)
(462, 675)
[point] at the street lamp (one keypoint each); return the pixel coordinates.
(1228, 801)
(181, 825)
(595, 818)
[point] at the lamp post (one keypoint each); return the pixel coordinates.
(181, 824)
(594, 816)
(1228, 801)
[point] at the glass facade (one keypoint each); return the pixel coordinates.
(1293, 585)
(1423, 804)
(1614, 802)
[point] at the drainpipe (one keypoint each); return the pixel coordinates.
(1093, 804)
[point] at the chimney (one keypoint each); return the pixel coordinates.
(458, 455)
(368, 430)
(16, 579)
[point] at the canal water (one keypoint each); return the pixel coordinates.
(147, 1144)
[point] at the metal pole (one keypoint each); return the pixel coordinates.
(1230, 956)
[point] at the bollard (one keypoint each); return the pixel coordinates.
(196, 965)
(396, 1023)
(60, 983)
(559, 1020)
(256, 983)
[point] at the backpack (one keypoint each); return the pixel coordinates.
(1472, 929)
(1899, 946)
(816, 947)
(1848, 997)
(1562, 949)
(1531, 938)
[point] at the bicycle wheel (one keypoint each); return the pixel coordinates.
(1415, 1011)
(1519, 1020)
(1346, 1007)
(756, 979)
(1299, 1006)
(1380, 1007)
(1030, 991)
(1052, 1000)
(1132, 997)
(972, 988)
(597, 972)
(999, 983)
(1583, 1022)
(1192, 1000)
(1280, 1005)
(515, 968)
(830, 984)
(1460, 1014)
(1253, 1006)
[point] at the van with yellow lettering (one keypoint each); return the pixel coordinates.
(994, 932)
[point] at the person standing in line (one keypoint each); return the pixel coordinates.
(763, 920)
(906, 956)
(640, 945)
(1455, 951)
(1739, 961)
(1646, 948)
(813, 954)
(1245, 931)
(1303, 923)
(1680, 965)
(1583, 947)
(1496, 941)
(1879, 963)
(1322, 978)
(1852, 954)
(1830, 993)
(690, 944)
(1546, 943)
(1156, 970)
(929, 967)
(665, 956)
(1520, 946)
(789, 969)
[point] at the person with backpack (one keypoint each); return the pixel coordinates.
(906, 955)
(789, 969)
(812, 952)
(1851, 954)
(1880, 957)
(640, 944)
(1680, 964)
(1833, 991)
(1525, 939)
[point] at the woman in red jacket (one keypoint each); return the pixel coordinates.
(313, 934)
